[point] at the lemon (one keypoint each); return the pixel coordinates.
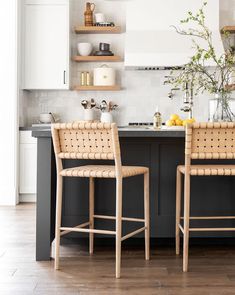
(188, 121)
(178, 122)
(174, 117)
(170, 123)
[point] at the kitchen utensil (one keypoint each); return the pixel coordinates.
(104, 76)
(84, 49)
(103, 106)
(104, 47)
(88, 14)
(93, 103)
(99, 18)
(84, 103)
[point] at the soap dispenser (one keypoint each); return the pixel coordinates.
(157, 119)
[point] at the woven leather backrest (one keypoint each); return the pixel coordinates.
(210, 140)
(85, 140)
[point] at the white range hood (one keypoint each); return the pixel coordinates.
(152, 42)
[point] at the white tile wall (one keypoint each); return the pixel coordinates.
(142, 91)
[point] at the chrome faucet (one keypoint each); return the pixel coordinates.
(188, 100)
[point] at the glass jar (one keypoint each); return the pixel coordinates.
(222, 108)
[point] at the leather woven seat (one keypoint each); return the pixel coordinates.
(102, 171)
(207, 170)
(203, 141)
(96, 141)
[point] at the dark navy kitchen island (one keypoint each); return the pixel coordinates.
(161, 151)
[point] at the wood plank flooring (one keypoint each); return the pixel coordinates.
(212, 269)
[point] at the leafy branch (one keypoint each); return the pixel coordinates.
(204, 78)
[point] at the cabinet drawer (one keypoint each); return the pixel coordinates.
(26, 137)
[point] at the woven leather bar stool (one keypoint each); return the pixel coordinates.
(203, 141)
(96, 141)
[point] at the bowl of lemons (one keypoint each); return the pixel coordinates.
(178, 123)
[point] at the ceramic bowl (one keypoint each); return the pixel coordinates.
(84, 49)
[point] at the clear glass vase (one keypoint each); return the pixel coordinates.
(222, 108)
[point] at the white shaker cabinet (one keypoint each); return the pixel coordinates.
(28, 166)
(46, 44)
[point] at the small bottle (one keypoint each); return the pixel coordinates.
(83, 79)
(88, 79)
(157, 119)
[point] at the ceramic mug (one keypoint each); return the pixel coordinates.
(99, 18)
(84, 49)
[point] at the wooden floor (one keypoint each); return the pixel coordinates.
(212, 269)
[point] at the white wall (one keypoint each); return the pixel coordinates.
(8, 102)
(142, 91)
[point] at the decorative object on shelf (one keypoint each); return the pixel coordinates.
(104, 50)
(104, 76)
(85, 79)
(105, 24)
(213, 80)
(84, 49)
(88, 14)
(89, 109)
(99, 18)
(106, 111)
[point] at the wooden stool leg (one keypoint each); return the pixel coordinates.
(186, 220)
(118, 225)
(58, 219)
(146, 215)
(91, 213)
(178, 212)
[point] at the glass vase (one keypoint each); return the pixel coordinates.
(222, 108)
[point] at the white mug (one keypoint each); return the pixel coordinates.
(99, 18)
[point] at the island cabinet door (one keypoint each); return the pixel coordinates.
(46, 45)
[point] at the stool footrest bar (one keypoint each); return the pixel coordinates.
(123, 218)
(181, 228)
(78, 226)
(133, 233)
(209, 217)
(213, 229)
(84, 230)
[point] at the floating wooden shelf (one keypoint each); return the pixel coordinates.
(114, 58)
(97, 30)
(229, 29)
(97, 88)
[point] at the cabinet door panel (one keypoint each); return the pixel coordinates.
(28, 168)
(46, 51)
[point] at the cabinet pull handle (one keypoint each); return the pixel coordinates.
(64, 77)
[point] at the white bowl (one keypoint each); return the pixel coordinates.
(84, 49)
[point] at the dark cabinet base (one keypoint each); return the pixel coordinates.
(210, 195)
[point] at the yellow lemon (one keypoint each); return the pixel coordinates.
(174, 117)
(170, 123)
(178, 122)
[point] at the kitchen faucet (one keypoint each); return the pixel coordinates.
(188, 99)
